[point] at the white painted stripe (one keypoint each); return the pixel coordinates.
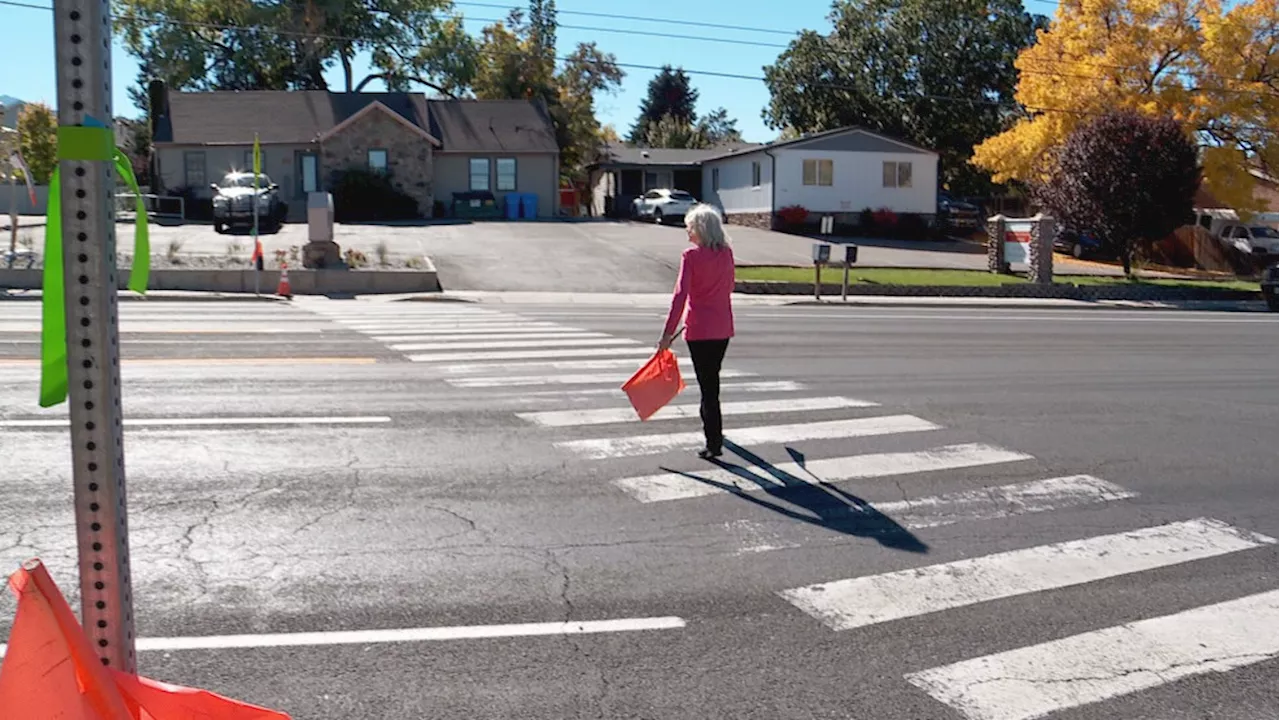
(401, 635)
(570, 379)
(443, 323)
(674, 486)
(487, 334)
(210, 421)
(534, 354)
(512, 344)
(1038, 680)
(394, 330)
(650, 444)
(760, 386)
(857, 602)
(989, 503)
(605, 416)
(503, 368)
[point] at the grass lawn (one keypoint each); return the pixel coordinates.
(965, 278)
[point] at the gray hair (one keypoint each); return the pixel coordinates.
(704, 221)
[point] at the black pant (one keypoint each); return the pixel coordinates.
(707, 357)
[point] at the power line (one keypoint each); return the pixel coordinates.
(637, 18)
(634, 66)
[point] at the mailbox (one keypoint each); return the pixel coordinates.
(821, 253)
(850, 254)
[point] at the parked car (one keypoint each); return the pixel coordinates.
(663, 205)
(1257, 239)
(234, 203)
(1078, 245)
(1269, 278)
(956, 214)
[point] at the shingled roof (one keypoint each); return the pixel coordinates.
(298, 117)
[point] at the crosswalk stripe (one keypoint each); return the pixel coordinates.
(988, 503)
(605, 416)
(857, 602)
(209, 421)
(514, 344)
(503, 368)
(749, 387)
(640, 351)
(426, 333)
(635, 445)
(680, 486)
(569, 379)
(486, 334)
(1032, 682)
(424, 327)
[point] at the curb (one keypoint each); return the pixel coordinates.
(155, 296)
(1082, 293)
(1238, 306)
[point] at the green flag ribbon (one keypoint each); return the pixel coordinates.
(79, 143)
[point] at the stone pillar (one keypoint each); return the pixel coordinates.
(1040, 250)
(995, 245)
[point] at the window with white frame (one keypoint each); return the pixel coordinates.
(819, 171)
(755, 174)
(897, 174)
(378, 160)
(479, 173)
(715, 179)
(506, 174)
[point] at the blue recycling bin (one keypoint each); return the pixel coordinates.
(529, 202)
(512, 201)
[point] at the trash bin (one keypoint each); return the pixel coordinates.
(512, 201)
(529, 202)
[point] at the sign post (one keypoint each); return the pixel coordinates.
(87, 182)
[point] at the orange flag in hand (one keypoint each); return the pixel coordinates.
(50, 671)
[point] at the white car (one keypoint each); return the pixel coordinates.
(1258, 239)
(663, 205)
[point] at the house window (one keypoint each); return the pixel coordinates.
(506, 174)
(479, 173)
(715, 179)
(378, 160)
(818, 172)
(755, 174)
(193, 169)
(897, 174)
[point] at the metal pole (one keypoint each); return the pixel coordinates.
(844, 286)
(82, 38)
(817, 280)
(13, 214)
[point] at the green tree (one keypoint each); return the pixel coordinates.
(248, 45)
(937, 74)
(38, 141)
(1126, 176)
(516, 59)
(672, 132)
(720, 128)
(669, 94)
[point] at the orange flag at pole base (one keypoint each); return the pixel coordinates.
(655, 384)
(50, 671)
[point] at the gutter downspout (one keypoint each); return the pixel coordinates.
(773, 185)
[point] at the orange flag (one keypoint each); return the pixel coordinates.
(49, 670)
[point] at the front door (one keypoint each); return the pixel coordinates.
(308, 174)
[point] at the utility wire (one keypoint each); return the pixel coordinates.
(635, 66)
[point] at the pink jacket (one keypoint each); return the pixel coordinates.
(706, 284)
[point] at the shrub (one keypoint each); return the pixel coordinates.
(438, 209)
(885, 219)
(194, 206)
(361, 195)
(355, 258)
(793, 215)
(913, 227)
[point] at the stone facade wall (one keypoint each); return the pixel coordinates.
(764, 221)
(409, 155)
(1041, 250)
(995, 245)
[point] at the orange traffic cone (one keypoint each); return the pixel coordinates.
(283, 289)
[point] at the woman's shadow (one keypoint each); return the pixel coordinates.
(829, 506)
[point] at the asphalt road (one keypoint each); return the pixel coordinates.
(1025, 511)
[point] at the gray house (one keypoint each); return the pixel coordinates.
(430, 148)
(622, 173)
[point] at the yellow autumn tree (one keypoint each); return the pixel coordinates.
(1211, 68)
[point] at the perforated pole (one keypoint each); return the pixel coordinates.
(82, 30)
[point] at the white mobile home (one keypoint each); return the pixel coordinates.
(839, 172)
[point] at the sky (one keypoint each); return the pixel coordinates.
(26, 34)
